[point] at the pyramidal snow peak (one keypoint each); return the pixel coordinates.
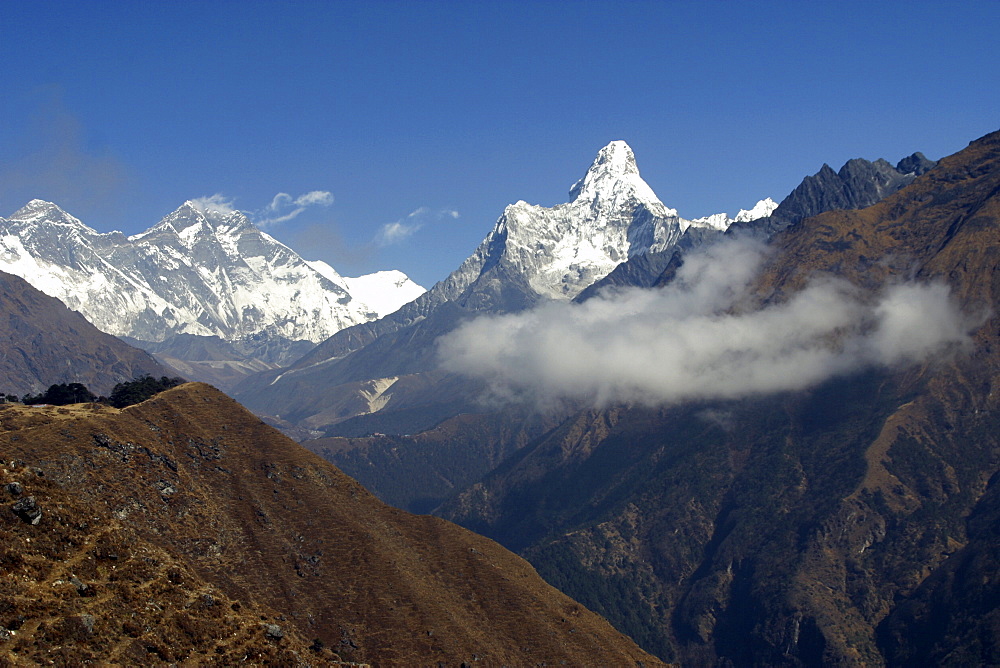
(612, 215)
(613, 172)
(201, 270)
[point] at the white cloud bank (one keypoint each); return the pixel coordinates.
(692, 340)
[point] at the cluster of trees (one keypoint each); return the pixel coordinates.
(61, 394)
(123, 394)
(140, 389)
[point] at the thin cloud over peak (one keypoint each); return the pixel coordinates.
(393, 233)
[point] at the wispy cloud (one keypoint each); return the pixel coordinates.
(400, 230)
(284, 207)
(695, 339)
(394, 233)
(216, 202)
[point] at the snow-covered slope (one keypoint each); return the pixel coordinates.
(198, 271)
(384, 291)
(721, 221)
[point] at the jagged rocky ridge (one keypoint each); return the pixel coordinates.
(200, 271)
(858, 184)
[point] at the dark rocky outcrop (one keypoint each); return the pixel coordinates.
(28, 510)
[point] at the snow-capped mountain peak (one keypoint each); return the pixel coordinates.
(558, 251)
(613, 171)
(761, 209)
(384, 291)
(40, 211)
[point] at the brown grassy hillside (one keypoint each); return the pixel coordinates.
(187, 495)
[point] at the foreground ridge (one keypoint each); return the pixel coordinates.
(200, 501)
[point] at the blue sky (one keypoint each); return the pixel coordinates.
(422, 120)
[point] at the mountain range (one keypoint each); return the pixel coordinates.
(762, 440)
(201, 271)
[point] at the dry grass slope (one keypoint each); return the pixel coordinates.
(199, 500)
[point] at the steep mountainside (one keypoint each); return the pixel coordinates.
(46, 344)
(847, 524)
(417, 472)
(533, 254)
(199, 518)
(89, 589)
(201, 270)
